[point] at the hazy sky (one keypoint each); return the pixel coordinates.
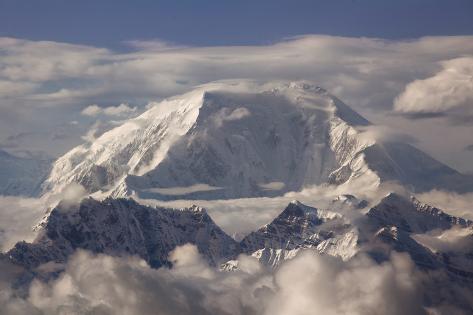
(406, 64)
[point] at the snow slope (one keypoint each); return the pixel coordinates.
(301, 227)
(244, 138)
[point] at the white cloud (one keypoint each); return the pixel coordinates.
(272, 186)
(384, 134)
(238, 217)
(121, 110)
(456, 239)
(225, 114)
(453, 203)
(92, 133)
(449, 90)
(52, 81)
(177, 191)
(17, 217)
(312, 284)
(308, 284)
(153, 45)
(91, 110)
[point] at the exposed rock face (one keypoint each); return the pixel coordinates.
(124, 227)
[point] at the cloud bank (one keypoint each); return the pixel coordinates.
(45, 84)
(449, 92)
(17, 217)
(308, 284)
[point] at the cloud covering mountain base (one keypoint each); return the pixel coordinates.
(308, 284)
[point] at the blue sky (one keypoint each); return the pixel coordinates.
(107, 23)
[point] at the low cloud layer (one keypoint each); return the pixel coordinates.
(308, 284)
(238, 217)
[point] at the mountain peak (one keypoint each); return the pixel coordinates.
(241, 138)
(410, 215)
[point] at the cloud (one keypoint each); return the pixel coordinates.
(122, 110)
(91, 110)
(225, 114)
(153, 45)
(385, 134)
(456, 239)
(362, 70)
(92, 133)
(449, 91)
(308, 284)
(453, 203)
(272, 186)
(314, 284)
(108, 285)
(177, 191)
(17, 217)
(49, 82)
(238, 217)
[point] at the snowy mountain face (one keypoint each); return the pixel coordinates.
(301, 227)
(22, 176)
(412, 216)
(236, 139)
(391, 225)
(123, 227)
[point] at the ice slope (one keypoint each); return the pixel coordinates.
(243, 138)
(22, 175)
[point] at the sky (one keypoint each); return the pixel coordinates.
(107, 23)
(70, 70)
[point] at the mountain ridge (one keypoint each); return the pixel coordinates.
(242, 138)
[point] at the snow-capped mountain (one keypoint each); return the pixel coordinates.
(243, 138)
(123, 227)
(22, 175)
(300, 227)
(390, 225)
(412, 216)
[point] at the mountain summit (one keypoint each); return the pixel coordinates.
(243, 138)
